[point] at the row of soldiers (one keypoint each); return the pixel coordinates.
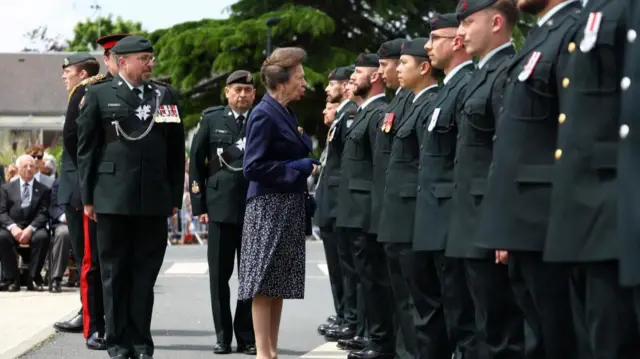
(479, 215)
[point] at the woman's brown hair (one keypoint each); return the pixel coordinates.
(275, 69)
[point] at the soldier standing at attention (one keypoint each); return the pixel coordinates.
(354, 209)
(583, 224)
(518, 200)
(628, 159)
(486, 27)
(79, 70)
(131, 166)
(343, 283)
(218, 195)
(404, 310)
(438, 129)
(415, 74)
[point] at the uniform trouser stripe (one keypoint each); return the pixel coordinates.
(84, 286)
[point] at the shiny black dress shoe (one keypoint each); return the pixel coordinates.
(56, 286)
(95, 342)
(356, 343)
(324, 328)
(74, 325)
(222, 349)
(370, 354)
(142, 356)
(332, 319)
(336, 334)
(249, 349)
(14, 286)
(34, 287)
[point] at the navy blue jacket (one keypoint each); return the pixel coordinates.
(273, 138)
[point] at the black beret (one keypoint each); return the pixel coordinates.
(391, 49)
(443, 21)
(240, 77)
(77, 58)
(466, 8)
(109, 41)
(132, 44)
(415, 47)
(367, 60)
(341, 73)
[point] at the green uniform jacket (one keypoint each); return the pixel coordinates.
(399, 193)
(327, 191)
(437, 136)
(223, 194)
(130, 177)
(517, 204)
(629, 157)
(356, 176)
(396, 109)
(482, 102)
(583, 221)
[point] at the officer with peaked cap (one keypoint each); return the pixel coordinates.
(218, 192)
(486, 27)
(132, 172)
(343, 283)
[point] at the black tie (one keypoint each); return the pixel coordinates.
(240, 120)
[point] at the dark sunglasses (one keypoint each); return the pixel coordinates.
(37, 157)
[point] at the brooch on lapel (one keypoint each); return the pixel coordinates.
(195, 189)
(300, 130)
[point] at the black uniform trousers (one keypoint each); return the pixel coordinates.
(371, 266)
(37, 254)
(131, 252)
(399, 261)
(353, 300)
(609, 312)
(543, 292)
(636, 304)
(330, 238)
(499, 319)
(426, 292)
(224, 246)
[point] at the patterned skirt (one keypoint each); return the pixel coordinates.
(272, 261)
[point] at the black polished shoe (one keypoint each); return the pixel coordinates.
(74, 325)
(356, 343)
(332, 319)
(143, 356)
(222, 349)
(249, 349)
(324, 328)
(95, 342)
(333, 335)
(56, 286)
(34, 287)
(14, 286)
(370, 354)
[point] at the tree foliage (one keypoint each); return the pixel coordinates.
(87, 32)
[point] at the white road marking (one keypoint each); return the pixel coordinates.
(188, 268)
(327, 350)
(324, 268)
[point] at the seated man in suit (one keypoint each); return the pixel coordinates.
(37, 153)
(23, 218)
(61, 242)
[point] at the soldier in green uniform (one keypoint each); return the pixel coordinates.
(437, 130)
(354, 208)
(131, 167)
(628, 159)
(343, 284)
(584, 203)
(389, 55)
(486, 27)
(218, 195)
(415, 74)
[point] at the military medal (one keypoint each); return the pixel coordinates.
(195, 189)
(434, 119)
(530, 66)
(167, 114)
(591, 32)
(388, 122)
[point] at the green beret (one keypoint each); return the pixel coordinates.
(443, 21)
(391, 49)
(240, 77)
(467, 8)
(367, 60)
(77, 58)
(132, 44)
(341, 73)
(415, 47)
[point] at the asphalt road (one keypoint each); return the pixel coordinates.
(182, 326)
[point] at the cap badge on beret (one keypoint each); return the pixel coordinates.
(404, 46)
(66, 61)
(249, 78)
(465, 5)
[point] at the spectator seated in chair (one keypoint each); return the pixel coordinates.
(37, 153)
(61, 243)
(24, 205)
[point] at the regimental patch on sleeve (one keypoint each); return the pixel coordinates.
(195, 188)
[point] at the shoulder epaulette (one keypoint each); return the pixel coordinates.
(88, 81)
(212, 109)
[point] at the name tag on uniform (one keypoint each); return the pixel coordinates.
(591, 32)
(530, 66)
(434, 119)
(167, 114)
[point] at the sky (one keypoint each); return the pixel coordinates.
(60, 16)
